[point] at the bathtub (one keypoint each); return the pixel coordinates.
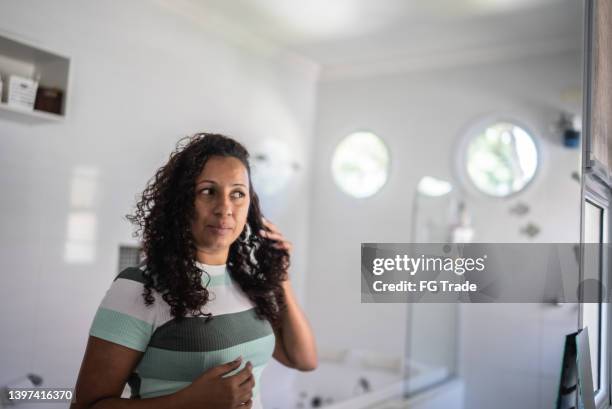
(360, 382)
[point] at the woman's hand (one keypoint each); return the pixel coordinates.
(280, 242)
(212, 390)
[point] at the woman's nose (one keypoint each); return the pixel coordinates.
(223, 207)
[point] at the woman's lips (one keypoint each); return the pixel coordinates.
(221, 231)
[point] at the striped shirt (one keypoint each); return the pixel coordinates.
(178, 352)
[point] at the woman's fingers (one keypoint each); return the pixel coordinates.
(248, 382)
(243, 375)
(270, 225)
(283, 246)
(274, 234)
(246, 395)
(280, 240)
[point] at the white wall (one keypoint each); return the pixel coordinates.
(141, 78)
(421, 116)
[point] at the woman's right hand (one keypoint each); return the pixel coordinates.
(212, 390)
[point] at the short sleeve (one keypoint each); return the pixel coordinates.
(123, 317)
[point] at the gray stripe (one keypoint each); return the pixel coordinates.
(222, 331)
(132, 273)
(135, 274)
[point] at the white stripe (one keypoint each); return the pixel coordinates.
(224, 300)
(212, 270)
(227, 299)
(125, 296)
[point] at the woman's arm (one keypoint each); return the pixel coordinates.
(104, 372)
(295, 344)
(106, 367)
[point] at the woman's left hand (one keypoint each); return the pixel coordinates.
(280, 242)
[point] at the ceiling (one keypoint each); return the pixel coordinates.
(352, 36)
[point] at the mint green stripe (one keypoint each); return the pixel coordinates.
(121, 329)
(257, 375)
(152, 388)
(187, 366)
(217, 280)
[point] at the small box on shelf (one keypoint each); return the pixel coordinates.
(49, 99)
(21, 92)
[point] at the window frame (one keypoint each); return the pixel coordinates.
(596, 185)
(597, 193)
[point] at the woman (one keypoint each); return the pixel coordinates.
(194, 326)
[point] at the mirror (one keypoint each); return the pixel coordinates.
(468, 98)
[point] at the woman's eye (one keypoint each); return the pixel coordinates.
(206, 191)
(238, 195)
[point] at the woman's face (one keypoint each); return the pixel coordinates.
(222, 201)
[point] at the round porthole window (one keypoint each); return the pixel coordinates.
(501, 159)
(360, 164)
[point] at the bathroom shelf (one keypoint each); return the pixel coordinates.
(18, 57)
(28, 116)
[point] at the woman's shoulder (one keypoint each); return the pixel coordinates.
(129, 284)
(123, 316)
(133, 274)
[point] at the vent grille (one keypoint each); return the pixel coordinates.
(129, 256)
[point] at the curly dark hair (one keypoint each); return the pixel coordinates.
(163, 219)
